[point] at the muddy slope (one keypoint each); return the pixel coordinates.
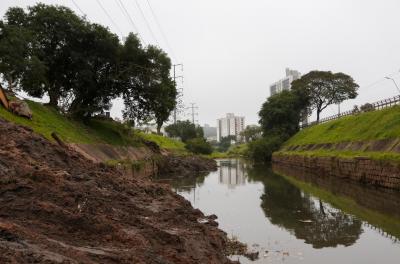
(58, 207)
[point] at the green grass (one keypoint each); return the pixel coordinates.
(375, 125)
(47, 120)
(165, 142)
(346, 154)
(388, 223)
(235, 151)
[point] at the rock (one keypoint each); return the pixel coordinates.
(20, 108)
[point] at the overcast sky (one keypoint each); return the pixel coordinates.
(232, 50)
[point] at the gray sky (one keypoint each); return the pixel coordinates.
(233, 49)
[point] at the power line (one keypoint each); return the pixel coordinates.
(162, 31)
(147, 22)
(76, 5)
(194, 113)
(109, 17)
(126, 13)
(179, 93)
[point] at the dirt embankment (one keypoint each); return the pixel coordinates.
(185, 165)
(59, 207)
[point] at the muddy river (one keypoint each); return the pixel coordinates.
(289, 217)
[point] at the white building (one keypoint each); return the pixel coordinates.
(285, 83)
(230, 125)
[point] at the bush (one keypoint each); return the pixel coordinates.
(199, 146)
(367, 107)
(261, 150)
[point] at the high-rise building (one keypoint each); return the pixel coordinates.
(230, 125)
(285, 83)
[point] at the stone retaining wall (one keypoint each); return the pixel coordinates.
(360, 169)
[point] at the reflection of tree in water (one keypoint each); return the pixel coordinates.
(307, 218)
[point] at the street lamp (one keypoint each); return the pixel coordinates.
(393, 82)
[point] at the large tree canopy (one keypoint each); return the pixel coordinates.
(323, 88)
(19, 66)
(81, 66)
(185, 130)
(281, 114)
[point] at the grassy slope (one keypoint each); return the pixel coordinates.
(47, 120)
(374, 125)
(164, 142)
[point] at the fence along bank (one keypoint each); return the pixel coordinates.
(362, 146)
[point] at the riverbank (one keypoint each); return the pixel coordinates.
(58, 206)
(363, 148)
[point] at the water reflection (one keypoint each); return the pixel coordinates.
(308, 218)
(296, 213)
(232, 172)
(378, 207)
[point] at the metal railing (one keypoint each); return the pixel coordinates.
(374, 106)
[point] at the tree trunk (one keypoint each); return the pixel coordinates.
(321, 207)
(10, 85)
(159, 129)
(318, 113)
(54, 96)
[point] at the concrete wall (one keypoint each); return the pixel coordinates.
(363, 170)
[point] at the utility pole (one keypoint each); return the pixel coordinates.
(180, 92)
(193, 111)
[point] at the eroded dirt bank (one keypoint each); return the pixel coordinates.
(58, 207)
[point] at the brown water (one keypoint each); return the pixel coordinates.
(298, 218)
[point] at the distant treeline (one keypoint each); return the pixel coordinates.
(82, 66)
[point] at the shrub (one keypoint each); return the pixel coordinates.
(367, 107)
(261, 150)
(199, 146)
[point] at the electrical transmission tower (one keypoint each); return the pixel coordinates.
(194, 112)
(180, 91)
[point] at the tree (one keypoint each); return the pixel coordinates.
(133, 77)
(56, 31)
(162, 91)
(251, 133)
(323, 88)
(185, 130)
(199, 146)
(18, 65)
(261, 150)
(281, 114)
(225, 143)
(163, 102)
(95, 61)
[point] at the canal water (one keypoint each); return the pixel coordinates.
(298, 218)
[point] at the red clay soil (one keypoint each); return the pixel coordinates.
(58, 207)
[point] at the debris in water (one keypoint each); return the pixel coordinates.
(306, 221)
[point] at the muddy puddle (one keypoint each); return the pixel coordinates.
(289, 217)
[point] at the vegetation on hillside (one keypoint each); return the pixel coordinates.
(47, 120)
(281, 114)
(373, 125)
